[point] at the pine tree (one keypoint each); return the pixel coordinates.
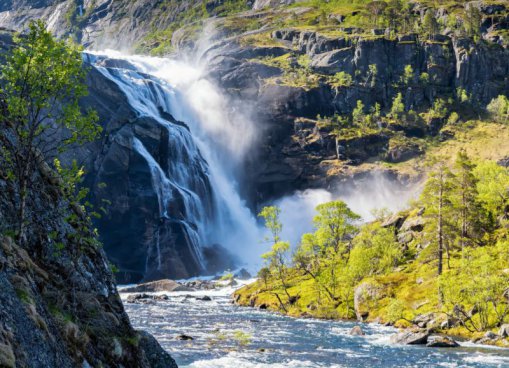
(436, 198)
(466, 207)
(430, 24)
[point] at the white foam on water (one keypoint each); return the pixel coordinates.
(241, 360)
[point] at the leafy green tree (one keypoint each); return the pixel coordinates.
(375, 251)
(336, 225)
(436, 198)
(499, 109)
(408, 75)
(276, 257)
(393, 13)
(398, 107)
(342, 79)
(358, 114)
(43, 80)
(493, 189)
(478, 285)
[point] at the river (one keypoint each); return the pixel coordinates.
(230, 336)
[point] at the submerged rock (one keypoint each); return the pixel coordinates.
(357, 331)
(184, 337)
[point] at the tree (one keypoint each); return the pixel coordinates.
(493, 188)
(276, 256)
(358, 115)
(436, 199)
(43, 80)
(408, 75)
(335, 226)
(430, 24)
(499, 109)
(393, 13)
(472, 21)
(398, 107)
(466, 207)
(375, 9)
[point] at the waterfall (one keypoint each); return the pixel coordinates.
(205, 152)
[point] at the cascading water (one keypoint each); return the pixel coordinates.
(204, 187)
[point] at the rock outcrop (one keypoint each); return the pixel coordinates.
(59, 306)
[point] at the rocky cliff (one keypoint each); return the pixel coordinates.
(58, 298)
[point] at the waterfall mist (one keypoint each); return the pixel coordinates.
(363, 196)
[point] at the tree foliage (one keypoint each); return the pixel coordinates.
(43, 81)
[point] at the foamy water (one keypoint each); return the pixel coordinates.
(277, 341)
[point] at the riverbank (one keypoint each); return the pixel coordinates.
(220, 334)
(426, 317)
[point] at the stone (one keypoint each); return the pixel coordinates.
(205, 298)
(442, 342)
(153, 286)
(491, 335)
(504, 330)
(184, 337)
(410, 338)
(357, 331)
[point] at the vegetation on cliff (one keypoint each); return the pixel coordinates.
(58, 298)
(442, 264)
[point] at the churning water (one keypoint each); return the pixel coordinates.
(278, 341)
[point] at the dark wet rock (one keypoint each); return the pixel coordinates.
(410, 338)
(357, 331)
(184, 337)
(442, 342)
(204, 298)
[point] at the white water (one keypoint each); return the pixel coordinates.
(286, 342)
(222, 135)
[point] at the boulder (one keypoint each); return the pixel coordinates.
(153, 286)
(490, 335)
(442, 342)
(357, 331)
(504, 330)
(410, 338)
